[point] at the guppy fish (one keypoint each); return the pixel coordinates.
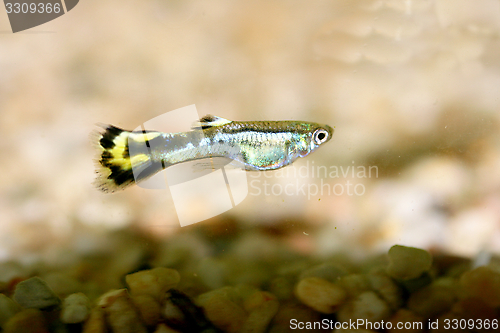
(129, 157)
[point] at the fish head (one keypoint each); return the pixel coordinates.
(313, 136)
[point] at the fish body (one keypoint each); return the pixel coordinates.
(128, 157)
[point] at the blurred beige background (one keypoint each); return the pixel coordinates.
(412, 87)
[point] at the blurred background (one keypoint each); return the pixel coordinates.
(412, 88)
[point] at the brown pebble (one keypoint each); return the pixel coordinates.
(154, 282)
(384, 286)
(121, 313)
(149, 309)
(476, 309)
(222, 310)
(262, 307)
(434, 299)
(319, 294)
(366, 306)
(27, 321)
(96, 322)
(483, 283)
(8, 308)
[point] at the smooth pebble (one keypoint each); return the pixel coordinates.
(27, 321)
(408, 262)
(319, 294)
(222, 308)
(262, 307)
(154, 282)
(121, 313)
(483, 283)
(367, 305)
(35, 293)
(75, 308)
(96, 322)
(8, 308)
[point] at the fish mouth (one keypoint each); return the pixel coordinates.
(330, 131)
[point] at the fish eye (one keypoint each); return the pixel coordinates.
(320, 136)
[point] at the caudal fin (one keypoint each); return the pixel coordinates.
(116, 169)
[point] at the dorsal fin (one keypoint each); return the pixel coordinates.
(210, 121)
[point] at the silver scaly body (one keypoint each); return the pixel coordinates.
(255, 145)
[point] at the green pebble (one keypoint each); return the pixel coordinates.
(35, 293)
(408, 262)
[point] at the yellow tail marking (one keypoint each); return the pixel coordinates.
(117, 152)
(138, 159)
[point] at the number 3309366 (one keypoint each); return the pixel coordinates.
(471, 324)
(32, 8)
